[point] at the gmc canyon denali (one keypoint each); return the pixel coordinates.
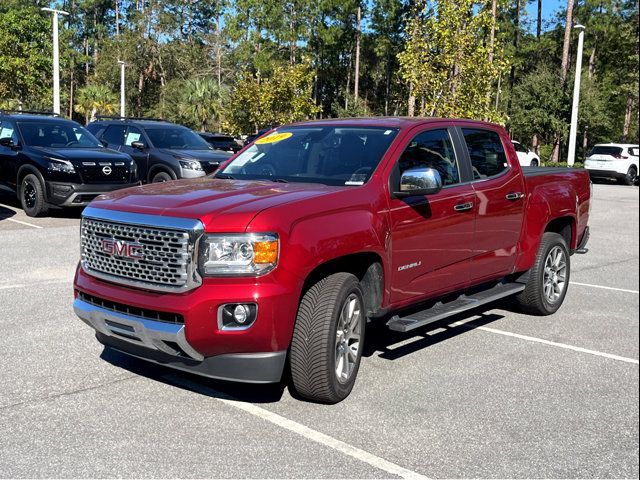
(281, 258)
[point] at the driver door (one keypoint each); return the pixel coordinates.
(431, 236)
(8, 155)
(141, 157)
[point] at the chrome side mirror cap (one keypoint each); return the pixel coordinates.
(419, 181)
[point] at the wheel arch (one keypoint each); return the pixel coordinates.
(25, 170)
(564, 226)
(366, 266)
(161, 167)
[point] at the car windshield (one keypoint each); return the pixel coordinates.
(57, 135)
(605, 150)
(176, 138)
(315, 154)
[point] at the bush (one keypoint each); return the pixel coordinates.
(563, 165)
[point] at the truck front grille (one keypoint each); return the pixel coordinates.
(150, 256)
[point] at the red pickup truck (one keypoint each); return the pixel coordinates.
(281, 258)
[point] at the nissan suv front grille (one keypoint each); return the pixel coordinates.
(145, 251)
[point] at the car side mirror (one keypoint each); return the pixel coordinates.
(7, 142)
(138, 145)
(419, 181)
(104, 143)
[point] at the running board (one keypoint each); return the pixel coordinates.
(463, 303)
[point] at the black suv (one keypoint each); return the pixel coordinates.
(220, 141)
(163, 151)
(47, 160)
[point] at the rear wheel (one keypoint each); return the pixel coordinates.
(534, 163)
(161, 176)
(549, 277)
(631, 177)
(327, 342)
(32, 196)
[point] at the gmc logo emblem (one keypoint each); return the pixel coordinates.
(120, 248)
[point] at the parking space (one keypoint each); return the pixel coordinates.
(490, 394)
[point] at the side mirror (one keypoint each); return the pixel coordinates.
(138, 145)
(104, 143)
(419, 181)
(7, 142)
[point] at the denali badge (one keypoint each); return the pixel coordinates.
(106, 170)
(119, 248)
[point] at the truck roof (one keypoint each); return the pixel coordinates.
(392, 122)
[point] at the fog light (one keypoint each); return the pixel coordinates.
(237, 316)
(240, 314)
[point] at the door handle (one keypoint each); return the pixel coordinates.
(463, 207)
(514, 196)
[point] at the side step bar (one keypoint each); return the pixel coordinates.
(463, 303)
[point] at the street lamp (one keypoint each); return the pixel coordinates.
(571, 156)
(56, 58)
(122, 109)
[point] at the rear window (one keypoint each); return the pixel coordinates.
(606, 150)
(634, 151)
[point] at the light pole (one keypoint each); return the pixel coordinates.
(56, 58)
(571, 155)
(122, 109)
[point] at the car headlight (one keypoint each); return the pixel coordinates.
(238, 254)
(59, 165)
(190, 164)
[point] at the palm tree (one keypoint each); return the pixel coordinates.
(202, 101)
(95, 100)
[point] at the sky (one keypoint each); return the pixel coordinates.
(549, 9)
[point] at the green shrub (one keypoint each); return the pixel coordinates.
(562, 165)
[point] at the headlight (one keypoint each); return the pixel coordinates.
(59, 165)
(238, 254)
(190, 164)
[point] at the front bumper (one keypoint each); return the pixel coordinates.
(166, 344)
(77, 194)
(196, 342)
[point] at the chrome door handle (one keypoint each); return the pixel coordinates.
(463, 207)
(514, 196)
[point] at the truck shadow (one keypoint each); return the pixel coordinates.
(12, 205)
(379, 340)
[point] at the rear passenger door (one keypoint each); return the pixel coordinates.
(499, 188)
(431, 236)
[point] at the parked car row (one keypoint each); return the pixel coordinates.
(49, 161)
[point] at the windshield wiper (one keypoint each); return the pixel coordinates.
(224, 176)
(279, 180)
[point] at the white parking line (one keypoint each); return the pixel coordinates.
(20, 222)
(323, 439)
(605, 288)
(547, 342)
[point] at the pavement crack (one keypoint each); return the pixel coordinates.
(65, 394)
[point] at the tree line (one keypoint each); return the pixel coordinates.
(243, 65)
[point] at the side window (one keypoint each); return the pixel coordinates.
(7, 130)
(432, 149)
(133, 135)
(519, 147)
(487, 154)
(114, 134)
(633, 151)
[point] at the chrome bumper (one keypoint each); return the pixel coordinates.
(159, 336)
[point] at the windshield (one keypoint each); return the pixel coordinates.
(602, 150)
(176, 138)
(327, 155)
(57, 135)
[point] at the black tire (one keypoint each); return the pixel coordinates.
(316, 340)
(161, 176)
(631, 176)
(32, 196)
(534, 299)
(534, 163)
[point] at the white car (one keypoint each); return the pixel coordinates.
(617, 161)
(526, 157)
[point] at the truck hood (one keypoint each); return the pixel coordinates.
(222, 205)
(78, 155)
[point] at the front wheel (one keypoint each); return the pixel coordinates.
(534, 163)
(32, 196)
(327, 342)
(549, 277)
(161, 177)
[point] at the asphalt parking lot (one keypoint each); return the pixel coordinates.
(493, 394)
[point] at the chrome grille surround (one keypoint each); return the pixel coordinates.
(170, 248)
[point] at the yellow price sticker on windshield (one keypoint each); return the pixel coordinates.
(273, 138)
